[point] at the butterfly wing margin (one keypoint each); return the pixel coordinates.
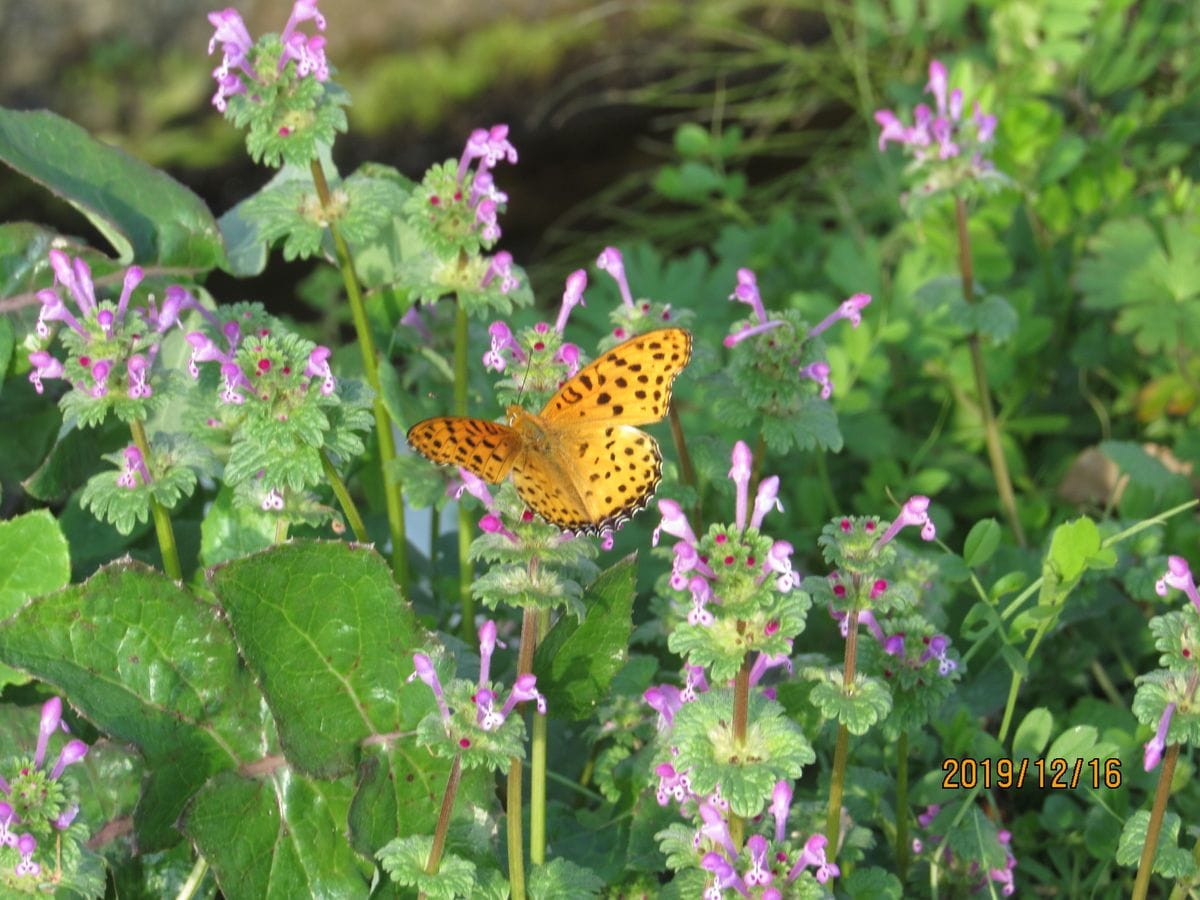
(488, 449)
(628, 385)
(608, 475)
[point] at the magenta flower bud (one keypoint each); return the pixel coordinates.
(610, 261)
(72, 752)
(492, 524)
(51, 717)
(568, 355)
(740, 475)
(766, 499)
(674, 523)
(781, 805)
(133, 277)
(487, 646)
(1156, 746)
(66, 817)
(44, 366)
(572, 297)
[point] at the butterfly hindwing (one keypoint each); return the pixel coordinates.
(627, 385)
(488, 449)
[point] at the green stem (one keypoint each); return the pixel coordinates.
(513, 811)
(741, 721)
(902, 814)
(392, 495)
(162, 521)
(537, 773)
(841, 752)
(466, 572)
(991, 430)
(349, 509)
(1146, 865)
(195, 877)
(443, 822)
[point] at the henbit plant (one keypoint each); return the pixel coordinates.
(267, 682)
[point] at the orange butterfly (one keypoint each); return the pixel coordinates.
(580, 464)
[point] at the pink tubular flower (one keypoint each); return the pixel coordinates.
(1156, 745)
(135, 468)
(814, 855)
(937, 85)
(766, 499)
(747, 292)
(318, 367)
(273, 501)
(475, 486)
(493, 524)
(137, 375)
(819, 372)
(487, 646)
(423, 669)
(674, 523)
(51, 718)
(724, 875)
(44, 366)
(236, 44)
(485, 217)
(715, 829)
(759, 873)
(701, 595)
(1178, 575)
(26, 845)
(781, 805)
(503, 343)
(610, 261)
(849, 309)
(489, 146)
(938, 645)
(568, 355)
(666, 701)
(500, 267)
(914, 512)
(523, 690)
(72, 752)
(671, 784)
(740, 475)
(572, 297)
(694, 683)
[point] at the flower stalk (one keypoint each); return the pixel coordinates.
(392, 489)
(466, 572)
(162, 521)
(1161, 795)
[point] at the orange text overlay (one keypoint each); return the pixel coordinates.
(1053, 774)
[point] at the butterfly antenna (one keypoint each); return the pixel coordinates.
(525, 377)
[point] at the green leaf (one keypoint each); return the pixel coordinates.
(577, 661)
(144, 213)
(995, 319)
(230, 530)
(330, 641)
(1074, 743)
(279, 836)
(404, 860)
(981, 542)
(1170, 860)
(33, 560)
(76, 456)
(150, 665)
(7, 340)
(1033, 733)
(563, 880)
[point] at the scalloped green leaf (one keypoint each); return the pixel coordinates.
(330, 641)
(577, 661)
(146, 215)
(151, 665)
(276, 837)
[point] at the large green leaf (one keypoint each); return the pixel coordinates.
(33, 560)
(151, 665)
(330, 641)
(146, 215)
(577, 661)
(277, 836)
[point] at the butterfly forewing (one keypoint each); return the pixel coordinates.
(488, 449)
(628, 385)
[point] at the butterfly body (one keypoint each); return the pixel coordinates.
(580, 464)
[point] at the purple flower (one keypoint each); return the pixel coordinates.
(701, 594)
(819, 372)
(611, 262)
(51, 717)
(665, 700)
(849, 309)
(500, 267)
(781, 804)
(236, 44)
(747, 292)
(26, 845)
(740, 475)
(766, 661)
(487, 646)
(308, 52)
(489, 146)
(485, 216)
(1156, 745)
(724, 875)
(273, 501)
(66, 817)
(766, 499)
(493, 524)
(671, 784)
(938, 644)
(135, 468)
(523, 690)
(814, 855)
(72, 752)
(503, 343)
(44, 366)
(8, 818)
(568, 355)
(914, 512)
(715, 828)
(694, 683)
(937, 85)
(674, 523)
(318, 367)
(423, 669)
(1179, 576)
(572, 297)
